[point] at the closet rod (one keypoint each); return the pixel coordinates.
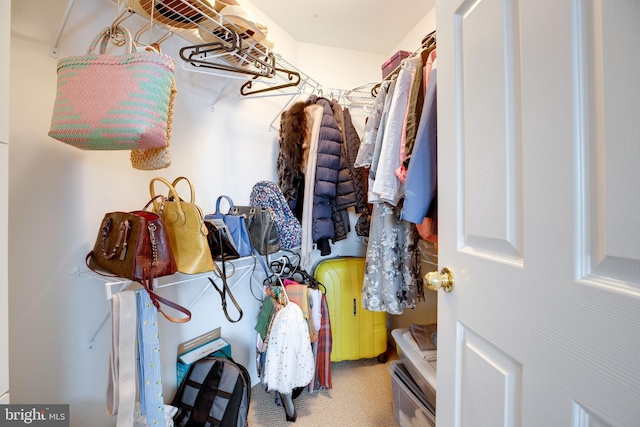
(427, 41)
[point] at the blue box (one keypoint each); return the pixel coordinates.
(209, 344)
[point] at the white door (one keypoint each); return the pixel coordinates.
(539, 198)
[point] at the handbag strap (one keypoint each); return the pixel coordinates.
(157, 300)
(231, 208)
(121, 387)
(184, 178)
(262, 263)
(86, 261)
(223, 296)
(225, 287)
(172, 191)
(123, 235)
(160, 197)
(256, 254)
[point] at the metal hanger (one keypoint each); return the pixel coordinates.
(114, 36)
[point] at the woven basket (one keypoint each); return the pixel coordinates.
(157, 158)
(113, 102)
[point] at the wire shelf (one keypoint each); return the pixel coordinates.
(225, 45)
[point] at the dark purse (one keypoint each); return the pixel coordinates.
(221, 247)
(262, 228)
(236, 224)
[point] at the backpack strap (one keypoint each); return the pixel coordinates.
(206, 395)
(183, 409)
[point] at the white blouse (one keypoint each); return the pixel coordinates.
(387, 187)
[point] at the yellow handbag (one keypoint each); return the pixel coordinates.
(186, 228)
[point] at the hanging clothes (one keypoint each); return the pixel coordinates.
(386, 186)
(326, 183)
(421, 203)
(289, 164)
(377, 146)
(289, 360)
(322, 377)
(320, 196)
(421, 184)
(364, 158)
(345, 191)
(392, 277)
(313, 116)
(414, 110)
(352, 143)
(299, 295)
(149, 368)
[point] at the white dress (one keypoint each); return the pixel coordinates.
(289, 361)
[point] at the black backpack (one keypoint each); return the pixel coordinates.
(215, 392)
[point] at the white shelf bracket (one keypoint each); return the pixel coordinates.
(219, 94)
(53, 50)
(244, 268)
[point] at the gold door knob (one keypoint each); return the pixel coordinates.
(444, 280)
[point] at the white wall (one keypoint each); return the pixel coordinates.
(58, 195)
(412, 40)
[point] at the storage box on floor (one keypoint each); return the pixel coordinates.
(413, 382)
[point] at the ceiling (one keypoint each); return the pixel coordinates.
(375, 26)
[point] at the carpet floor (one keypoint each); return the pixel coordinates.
(361, 397)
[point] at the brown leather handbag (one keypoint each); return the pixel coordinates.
(135, 246)
(132, 245)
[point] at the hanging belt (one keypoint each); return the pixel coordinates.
(149, 369)
(121, 388)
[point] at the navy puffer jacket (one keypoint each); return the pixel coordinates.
(327, 168)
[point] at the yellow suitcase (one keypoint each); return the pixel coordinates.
(357, 333)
